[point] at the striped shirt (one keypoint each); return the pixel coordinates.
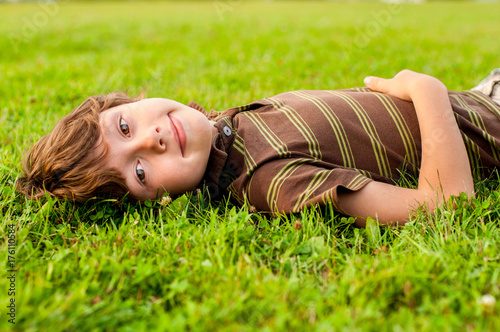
(297, 149)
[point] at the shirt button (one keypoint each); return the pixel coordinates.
(227, 130)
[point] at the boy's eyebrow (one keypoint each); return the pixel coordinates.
(104, 121)
(115, 124)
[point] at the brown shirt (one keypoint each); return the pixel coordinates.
(296, 149)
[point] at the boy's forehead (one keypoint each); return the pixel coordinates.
(142, 104)
(100, 150)
(129, 106)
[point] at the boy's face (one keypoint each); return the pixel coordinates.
(157, 145)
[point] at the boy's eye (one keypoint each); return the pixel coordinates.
(140, 173)
(124, 127)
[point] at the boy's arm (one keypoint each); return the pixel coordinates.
(445, 169)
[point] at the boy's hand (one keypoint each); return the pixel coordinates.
(444, 169)
(402, 85)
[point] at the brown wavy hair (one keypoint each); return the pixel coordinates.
(64, 163)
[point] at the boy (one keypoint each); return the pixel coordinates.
(280, 154)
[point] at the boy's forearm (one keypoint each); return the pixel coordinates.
(445, 167)
(444, 170)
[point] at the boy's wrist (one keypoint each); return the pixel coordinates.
(427, 86)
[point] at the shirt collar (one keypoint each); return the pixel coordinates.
(213, 179)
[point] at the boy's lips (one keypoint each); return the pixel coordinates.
(179, 133)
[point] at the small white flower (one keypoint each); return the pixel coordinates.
(165, 200)
(487, 301)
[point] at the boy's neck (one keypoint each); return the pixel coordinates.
(214, 129)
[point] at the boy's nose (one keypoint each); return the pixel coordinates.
(152, 140)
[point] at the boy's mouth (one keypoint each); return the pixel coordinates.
(179, 134)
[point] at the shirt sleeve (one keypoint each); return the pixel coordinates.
(289, 185)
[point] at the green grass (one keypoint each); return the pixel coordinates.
(145, 267)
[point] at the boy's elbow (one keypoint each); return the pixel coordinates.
(434, 200)
(459, 191)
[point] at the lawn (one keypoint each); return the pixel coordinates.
(108, 265)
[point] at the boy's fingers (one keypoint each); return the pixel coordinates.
(375, 83)
(368, 80)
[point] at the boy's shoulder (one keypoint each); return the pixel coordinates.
(282, 99)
